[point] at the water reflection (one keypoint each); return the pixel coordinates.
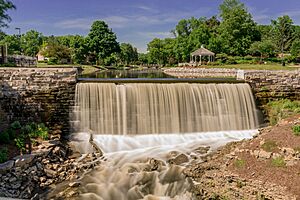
(127, 74)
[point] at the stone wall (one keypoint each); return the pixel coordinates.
(37, 94)
(274, 85)
(266, 85)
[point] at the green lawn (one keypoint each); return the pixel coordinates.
(272, 66)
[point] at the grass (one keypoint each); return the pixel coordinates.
(277, 110)
(269, 145)
(239, 163)
(256, 67)
(278, 162)
(296, 130)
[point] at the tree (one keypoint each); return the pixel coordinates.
(56, 52)
(102, 41)
(13, 44)
(237, 30)
(283, 32)
(79, 49)
(31, 42)
(264, 48)
(4, 17)
(295, 49)
(128, 53)
(156, 53)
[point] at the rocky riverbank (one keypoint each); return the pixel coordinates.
(33, 176)
(265, 167)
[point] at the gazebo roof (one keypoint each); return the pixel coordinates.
(202, 52)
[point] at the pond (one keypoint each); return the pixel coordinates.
(127, 74)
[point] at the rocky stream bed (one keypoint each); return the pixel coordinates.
(240, 170)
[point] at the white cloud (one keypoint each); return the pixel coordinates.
(117, 21)
(151, 35)
(80, 23)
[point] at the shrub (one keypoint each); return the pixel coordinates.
(278, 162)
(296, 130)
(269, 145)
(3, 155)
(239, 163)
(4, 137)
(20, 143)
(15, 125)
(281, 109)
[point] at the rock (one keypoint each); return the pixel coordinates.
(50, 173)
(264, 154)
(180, 159)
(202, 150)
(23, 160)
(7, 166)
(74, 184)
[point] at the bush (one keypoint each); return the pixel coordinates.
(278, 162)
(3, 155)
(269, 145)
(15, 125)
(296, 130)
(20, 143)
(239, 163)
(4, 138)
(281, 109)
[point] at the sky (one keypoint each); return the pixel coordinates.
(134, 21)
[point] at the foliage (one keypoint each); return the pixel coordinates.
(128, 53)
(295, 48)
(239, 163)
(281, 109)
(20, 143)
(31, 42)
(3, 155)
(13, 43)
(56, 52)
(278, 162)
(296, 130)
(283, 32)
(269, 145)
(34, 131)
(4, 17)
(4, 137)
(263, 48)
(15, 125)
(102, 41)
(237, 30)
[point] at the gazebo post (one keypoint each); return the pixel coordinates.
(200, 60)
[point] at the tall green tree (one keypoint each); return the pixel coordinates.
(265, 48)
(128, 53)
(31, 42)
(5, 5)
(283, 32)
(102, 41)
(295, 48)
(237, 29)
(13, 44)
(79, 49)
(156, 53)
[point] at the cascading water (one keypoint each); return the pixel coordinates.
(134, 109)
(149, 132)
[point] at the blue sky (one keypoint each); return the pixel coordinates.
(134, 21)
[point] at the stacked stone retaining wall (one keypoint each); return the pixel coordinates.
(37, 95)
(274, 85)
(266, 84)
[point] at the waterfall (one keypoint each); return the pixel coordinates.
(132, 109)
(150, 132)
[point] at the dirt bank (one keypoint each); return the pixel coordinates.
(265, 167)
